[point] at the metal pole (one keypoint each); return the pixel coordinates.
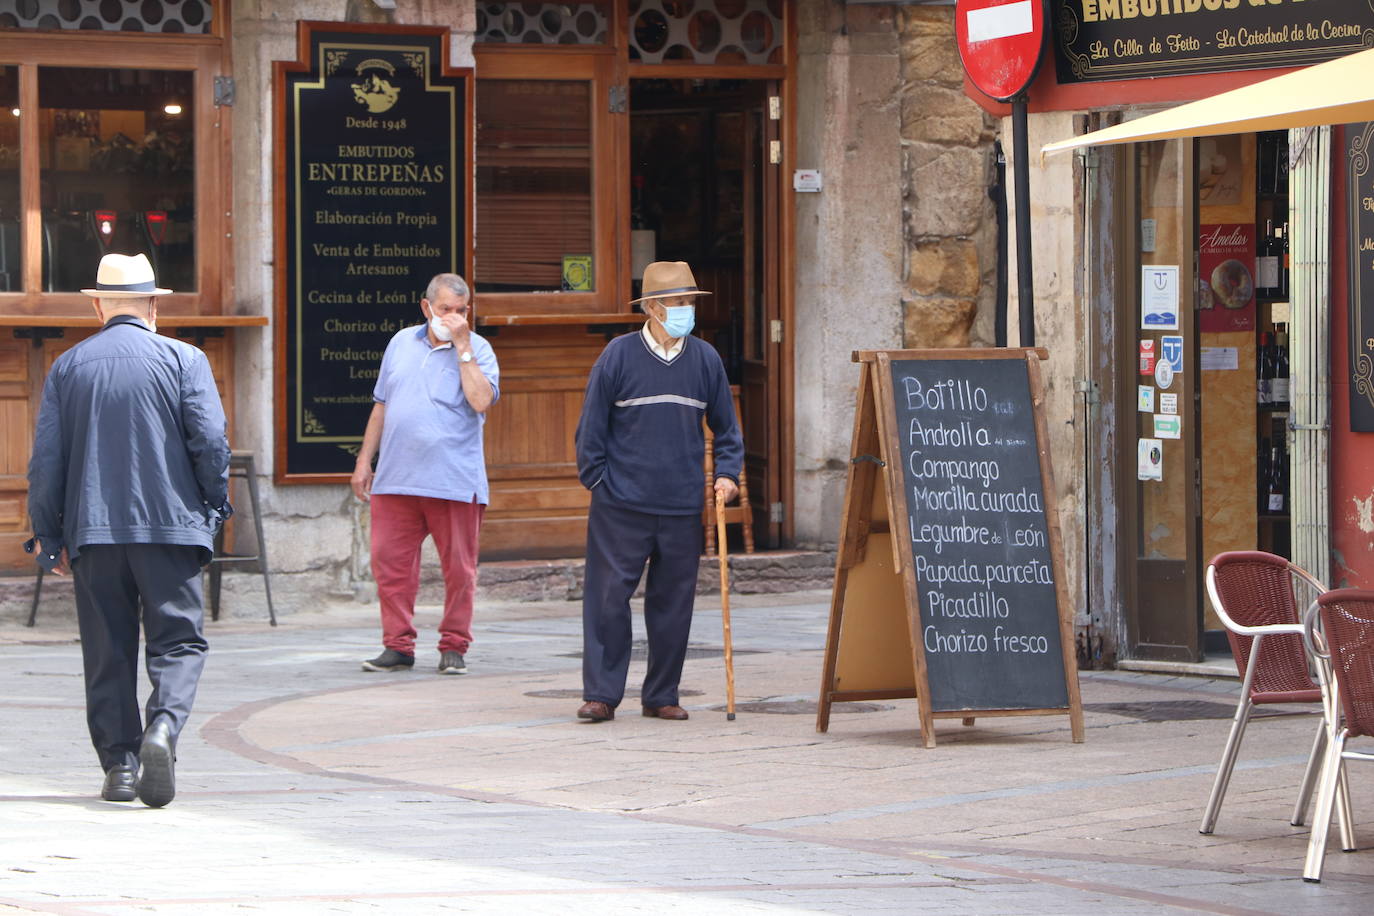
(1024, 273)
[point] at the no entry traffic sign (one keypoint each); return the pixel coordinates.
(1001, 43)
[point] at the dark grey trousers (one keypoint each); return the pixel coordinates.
(619, 541)
(112, 581)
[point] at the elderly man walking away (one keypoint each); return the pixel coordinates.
(128, 484)
(436, 382)
(640, 450)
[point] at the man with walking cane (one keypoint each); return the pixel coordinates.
(640, 451)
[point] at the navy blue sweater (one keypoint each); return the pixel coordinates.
(640, 437)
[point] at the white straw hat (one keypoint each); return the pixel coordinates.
(123, 276)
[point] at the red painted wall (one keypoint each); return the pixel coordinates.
(1352, 454)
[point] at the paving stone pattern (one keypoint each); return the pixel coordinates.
(307, 786)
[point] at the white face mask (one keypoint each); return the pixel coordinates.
(440, 330)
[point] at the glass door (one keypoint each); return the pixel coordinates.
(1157, 322)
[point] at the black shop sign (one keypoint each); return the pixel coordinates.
(1360, 179)
(1130, 39)
(373, 195)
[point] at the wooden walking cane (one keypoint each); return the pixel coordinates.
(725, 606)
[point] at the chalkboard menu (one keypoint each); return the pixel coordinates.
(949, 577)
(979, 534)
(1360, 178)
(373, 191)
(1129, 39)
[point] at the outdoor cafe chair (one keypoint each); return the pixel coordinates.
(1253, 594)
(1343, 646)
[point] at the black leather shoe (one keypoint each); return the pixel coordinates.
(157, 783)
(121, 784)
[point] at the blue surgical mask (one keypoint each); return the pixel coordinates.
(679, 320)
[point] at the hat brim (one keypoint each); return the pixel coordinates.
(125, 294)
(666, 295)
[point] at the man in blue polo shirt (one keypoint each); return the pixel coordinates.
(640, 450)
(436, 382)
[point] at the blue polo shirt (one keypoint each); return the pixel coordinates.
(432, 438)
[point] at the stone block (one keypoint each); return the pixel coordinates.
(945, 267)
(947, 190)
(937, 322)
(941, 114)
(933, 57)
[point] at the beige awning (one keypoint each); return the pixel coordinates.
(1338, 91)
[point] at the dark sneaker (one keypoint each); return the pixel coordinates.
(452, 663)
(390, 660)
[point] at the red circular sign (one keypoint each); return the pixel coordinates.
(1001, 43)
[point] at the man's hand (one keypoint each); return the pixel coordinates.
(362, 481)
(457, 323)
(726, 486)
(62, 568)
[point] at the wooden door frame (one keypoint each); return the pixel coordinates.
(1127, 331)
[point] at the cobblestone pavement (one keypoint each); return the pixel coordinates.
(308, 786)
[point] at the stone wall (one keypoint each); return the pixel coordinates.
(949, 221)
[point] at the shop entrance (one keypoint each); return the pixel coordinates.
(703, 190)
(1209, 373)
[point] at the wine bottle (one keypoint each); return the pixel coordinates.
(1264, 364)
(1285, 264)
(1276, 486)
(1280, 387)
(1262, 476)
(1266, 264)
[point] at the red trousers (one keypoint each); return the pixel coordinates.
(399, 526)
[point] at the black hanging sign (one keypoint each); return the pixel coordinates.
(373, 194)
(1130, 39)
(1360, 178)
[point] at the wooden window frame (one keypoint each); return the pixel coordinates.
(597, 65)
(206, 57)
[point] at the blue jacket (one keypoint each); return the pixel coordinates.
(130, 446)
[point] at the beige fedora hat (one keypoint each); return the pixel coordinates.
(669, 278)
(123, 276)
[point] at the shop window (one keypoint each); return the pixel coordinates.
(11, 221)
(706, 31)
(534, 186)
(542, 23)
(111, 143)
(117, 158)
(192, 17)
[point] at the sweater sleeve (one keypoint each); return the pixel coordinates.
(720, 416)
(593, 427)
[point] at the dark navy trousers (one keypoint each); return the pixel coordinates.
(619, 542)
(111, 581)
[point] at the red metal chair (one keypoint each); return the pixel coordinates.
(1344, 649)
(1253, 594)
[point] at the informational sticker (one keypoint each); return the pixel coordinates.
(1219, 359)
(1149, 462)
(1168, 403)
(1159, 297)
(1147, 357)
(1164, 374)
(1145, 398)
(577, 273)
(1167, 427)
(806, 181)
(1171, 351)
(1147, 235)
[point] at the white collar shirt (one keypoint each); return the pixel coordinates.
(667, 354)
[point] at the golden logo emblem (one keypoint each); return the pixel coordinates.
(373, 88)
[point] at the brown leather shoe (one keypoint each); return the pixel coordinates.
(665, 712)
(596, 711)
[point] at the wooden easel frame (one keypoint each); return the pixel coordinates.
(874, 461)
